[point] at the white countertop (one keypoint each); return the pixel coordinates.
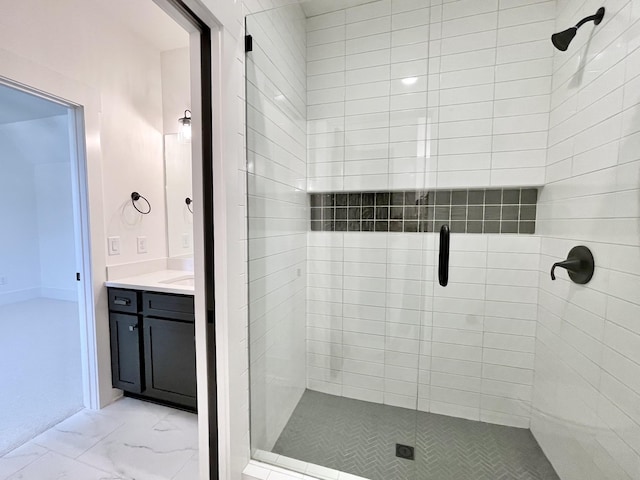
(160, 281)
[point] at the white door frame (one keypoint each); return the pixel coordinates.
(82, 225)
(206, 15)
(84, 130)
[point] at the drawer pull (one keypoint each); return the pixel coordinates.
(133, 327)
(122, 301)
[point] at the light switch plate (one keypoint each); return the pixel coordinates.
(114, 245)
(142, 244)
(185, 240)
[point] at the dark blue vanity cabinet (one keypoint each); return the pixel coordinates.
(153, 351)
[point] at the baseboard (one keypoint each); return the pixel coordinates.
(59, 294)
(19, 296)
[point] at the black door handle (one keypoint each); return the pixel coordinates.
(443, 260)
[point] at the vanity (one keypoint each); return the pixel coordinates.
(152, 330)
(151, 308)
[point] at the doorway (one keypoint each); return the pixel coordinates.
(42, 293)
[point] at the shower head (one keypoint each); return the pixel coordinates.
(562, 40)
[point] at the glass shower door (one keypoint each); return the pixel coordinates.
(488, 91)
(341, 247)
(277, 223)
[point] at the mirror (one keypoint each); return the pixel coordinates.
(177, 169)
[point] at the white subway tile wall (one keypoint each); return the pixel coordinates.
(406, 94)
(380, 329)
(586, 392)
(278, 217)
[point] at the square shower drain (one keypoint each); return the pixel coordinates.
(404, 451)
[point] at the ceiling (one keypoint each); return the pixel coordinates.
(18, 106)
(318, 7)
(146, 20)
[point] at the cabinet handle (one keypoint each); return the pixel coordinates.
(122, 301)
(133, 327)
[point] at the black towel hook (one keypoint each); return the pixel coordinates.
(189, 202)
(135, 196)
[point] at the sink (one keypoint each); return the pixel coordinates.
(185, 280)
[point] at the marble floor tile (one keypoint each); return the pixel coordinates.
(131, 411)
(20, 458)
(128, 440)
(140, 452)
(53, 466)
(78, 433)
(190, 471)
(179, 420)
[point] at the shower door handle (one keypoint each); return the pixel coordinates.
(443, 259)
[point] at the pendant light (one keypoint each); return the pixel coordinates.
(185, 122)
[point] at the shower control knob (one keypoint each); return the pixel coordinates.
(579, 264)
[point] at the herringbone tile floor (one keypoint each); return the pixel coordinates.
(359, 438)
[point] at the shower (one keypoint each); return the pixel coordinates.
(562, 39)
(415, 173)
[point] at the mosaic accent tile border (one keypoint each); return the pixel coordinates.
(466, 211)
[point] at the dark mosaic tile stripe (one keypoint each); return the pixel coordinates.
(465, 211)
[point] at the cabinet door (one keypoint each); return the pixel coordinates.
(126, 353)
(170, 360)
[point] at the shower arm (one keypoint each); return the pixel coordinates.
(586, 20)
(596, 18)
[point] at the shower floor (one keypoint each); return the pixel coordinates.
(360, 438)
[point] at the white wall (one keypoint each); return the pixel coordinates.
(54, 192)
(278, 218)
(41, 195)
(475, 111)
(56, 229)
(20, 261)
(176, 88)
(125, 70)
(586, 393)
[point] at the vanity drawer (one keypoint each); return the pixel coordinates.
(167, 305)
(121, 300)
